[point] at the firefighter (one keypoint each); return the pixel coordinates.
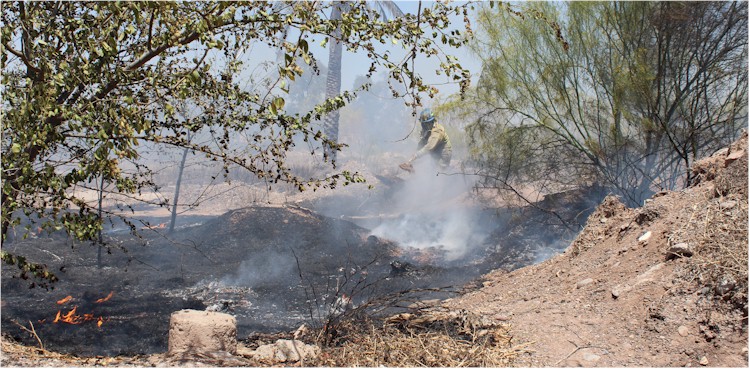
(433, 140)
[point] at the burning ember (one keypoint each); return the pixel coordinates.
(64, 300)
(99, 301)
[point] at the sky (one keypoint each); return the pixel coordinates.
(355, 65)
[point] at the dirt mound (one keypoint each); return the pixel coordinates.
(281, 234)
(661, 285)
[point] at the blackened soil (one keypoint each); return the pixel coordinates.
(272, 267)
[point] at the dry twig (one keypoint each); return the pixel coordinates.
(32, 331)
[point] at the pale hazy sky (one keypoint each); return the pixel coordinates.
(355, 65)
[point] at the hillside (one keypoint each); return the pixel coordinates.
(619, 298)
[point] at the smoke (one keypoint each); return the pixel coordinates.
(432, 210)
(262, 268)
(549, 249)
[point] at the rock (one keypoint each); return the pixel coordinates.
(201, 332)
(721, 152)
(725, 286)
(724, 205)
(584, 282)
(588, 358)
(245, 351)
(644, 237)
(736, 155)
(286, 351)
(591, 357)
(646, 215)
(708, 334)
(683, 331)
(619, 290)
(502, 318)
(704, 361)
(681, 249)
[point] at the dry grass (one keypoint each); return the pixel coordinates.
(436, 339)
(16, 355)
(717, 230)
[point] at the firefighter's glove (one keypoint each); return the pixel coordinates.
(407, 167)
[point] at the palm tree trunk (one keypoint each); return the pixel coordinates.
(333, 82)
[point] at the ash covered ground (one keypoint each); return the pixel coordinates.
(277, 266)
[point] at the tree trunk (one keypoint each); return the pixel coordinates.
(101, 239)
(333, 82)
(177, 188)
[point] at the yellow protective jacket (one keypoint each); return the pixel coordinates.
(436, 142)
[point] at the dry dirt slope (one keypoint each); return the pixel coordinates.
(612, 300)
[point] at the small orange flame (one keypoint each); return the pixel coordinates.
(111, 293)
(66, 299)
(70, 317)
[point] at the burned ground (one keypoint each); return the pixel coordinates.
(274, 267)
(245, 256)
(622, 294)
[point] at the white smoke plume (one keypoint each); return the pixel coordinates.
(433, 210)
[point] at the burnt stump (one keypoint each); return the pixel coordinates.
(201, 332)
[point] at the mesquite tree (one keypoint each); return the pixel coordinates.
(636, 93)
(86, 83)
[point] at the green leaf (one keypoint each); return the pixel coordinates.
(279, 103)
